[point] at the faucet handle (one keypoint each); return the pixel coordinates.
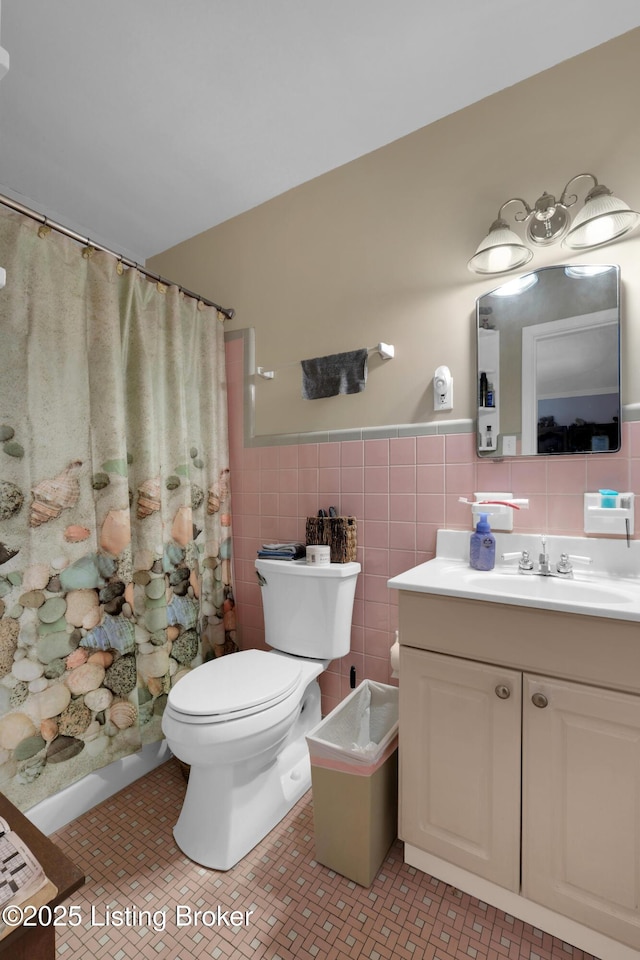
(566, 561)
(525, 561)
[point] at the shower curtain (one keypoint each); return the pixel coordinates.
(115, 523)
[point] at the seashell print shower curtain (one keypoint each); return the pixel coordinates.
(115, 537)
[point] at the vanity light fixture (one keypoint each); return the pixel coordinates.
(603, 218)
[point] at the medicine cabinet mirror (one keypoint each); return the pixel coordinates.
(548, 350)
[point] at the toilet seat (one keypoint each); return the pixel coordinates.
(237, 685)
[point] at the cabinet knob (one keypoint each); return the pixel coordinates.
(503, 691)
(539, 700)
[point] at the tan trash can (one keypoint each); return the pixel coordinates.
(354, 778)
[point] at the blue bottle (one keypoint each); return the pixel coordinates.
(482, 549)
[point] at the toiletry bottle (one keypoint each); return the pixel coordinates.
(482, 548)
(482, 397)
(489, 442)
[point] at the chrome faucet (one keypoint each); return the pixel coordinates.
(563, 568)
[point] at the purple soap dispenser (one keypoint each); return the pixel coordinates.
(482, 549)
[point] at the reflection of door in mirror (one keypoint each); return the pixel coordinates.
(548, 363)
(570, 375)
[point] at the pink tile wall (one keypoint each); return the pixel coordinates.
(401, 491)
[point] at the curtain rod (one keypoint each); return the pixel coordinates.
(228, 312)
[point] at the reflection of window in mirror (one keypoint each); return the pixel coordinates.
(551, 345)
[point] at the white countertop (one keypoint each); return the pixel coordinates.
(609, 587)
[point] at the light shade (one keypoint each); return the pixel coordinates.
(603, 218)
(501, 250)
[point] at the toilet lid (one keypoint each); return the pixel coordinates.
(235, 685)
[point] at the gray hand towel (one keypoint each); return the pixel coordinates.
(337, 373)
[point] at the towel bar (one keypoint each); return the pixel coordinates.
(387, 351)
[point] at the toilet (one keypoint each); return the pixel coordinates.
(240, 721)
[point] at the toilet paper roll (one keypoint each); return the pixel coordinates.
(395, 659)
(319, 555)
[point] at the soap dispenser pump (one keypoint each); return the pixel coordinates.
(482, 548)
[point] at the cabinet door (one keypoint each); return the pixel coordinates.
(460, 742)
(581, 804)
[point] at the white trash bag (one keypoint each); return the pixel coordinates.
(360, 729)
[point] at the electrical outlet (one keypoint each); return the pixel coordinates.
(508, 446)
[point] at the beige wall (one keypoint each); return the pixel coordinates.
(376, 250)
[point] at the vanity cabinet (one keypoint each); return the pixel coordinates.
(513, 771)
(581, 804)
(460, 789)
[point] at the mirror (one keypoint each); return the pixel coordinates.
(548, 351)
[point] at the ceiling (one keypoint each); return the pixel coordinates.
(140, 123)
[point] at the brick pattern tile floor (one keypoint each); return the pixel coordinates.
(144, 894)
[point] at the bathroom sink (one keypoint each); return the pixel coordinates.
(609, 587)
(542, 588)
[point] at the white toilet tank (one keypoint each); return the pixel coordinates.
(308, 609)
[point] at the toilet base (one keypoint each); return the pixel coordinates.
(229, 809)
(236, 832)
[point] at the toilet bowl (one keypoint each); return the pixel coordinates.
(240, 721)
